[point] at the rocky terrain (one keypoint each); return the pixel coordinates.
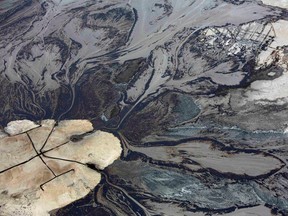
(195, 90)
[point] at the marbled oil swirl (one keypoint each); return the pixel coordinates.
(182, 84)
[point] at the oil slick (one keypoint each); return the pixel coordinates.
(195, 90)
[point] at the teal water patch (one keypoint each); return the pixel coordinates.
(229, 133)
(210, 192)
(8, 4)
(173, 185)
(215, 195)
(185, 108)
(265, 195)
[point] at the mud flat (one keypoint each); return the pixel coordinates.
(280, 3)
(201, 154)
(254, 211)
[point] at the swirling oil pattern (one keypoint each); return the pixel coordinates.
(196, 90)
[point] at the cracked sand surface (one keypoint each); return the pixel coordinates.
(58, 161)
